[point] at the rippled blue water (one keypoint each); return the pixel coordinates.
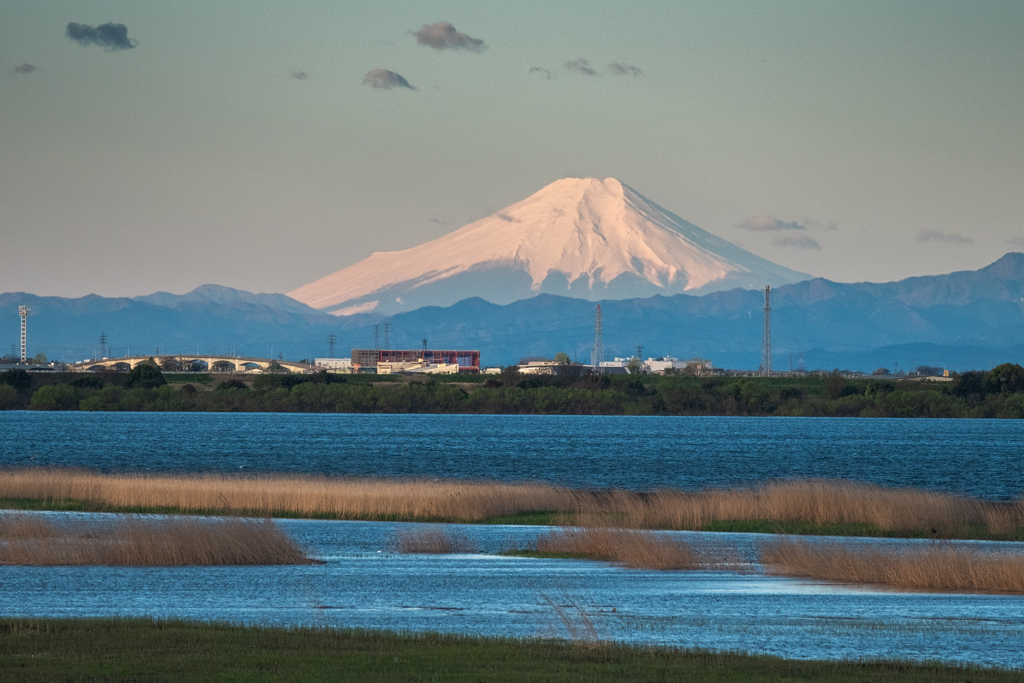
(977, 457)
(363, 583)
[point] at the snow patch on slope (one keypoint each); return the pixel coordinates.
(590, 232)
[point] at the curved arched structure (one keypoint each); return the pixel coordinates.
(193, 363)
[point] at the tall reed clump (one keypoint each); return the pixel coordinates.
(308, 496)
(433, 539)
(813, 501)
(938, 566)
(629, 547)
(25, 540)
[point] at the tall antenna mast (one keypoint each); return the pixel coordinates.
(23, 311)
(766, 345)
(598, 353)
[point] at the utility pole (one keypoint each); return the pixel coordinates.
(598, 355)
(766, 344)
(23, 311)
(331, 338)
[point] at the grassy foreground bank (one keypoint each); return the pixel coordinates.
(798, 506)
(142, 649)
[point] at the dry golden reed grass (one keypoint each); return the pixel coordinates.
(30, 540)
(813, 501)
(15, 527)
(629, 547)
(934, 566)
(300, 495)
(435, 540)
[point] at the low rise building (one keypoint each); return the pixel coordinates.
(370, 360)
(339, 365)
(416, 367)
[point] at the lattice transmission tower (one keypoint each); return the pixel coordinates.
(23, 311)
(597, 355)
(766, 344)
(331, 339)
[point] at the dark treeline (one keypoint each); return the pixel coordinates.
(995, 393)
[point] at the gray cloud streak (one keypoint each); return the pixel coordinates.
(384, 79)
(580, 66)
(25, 69)
(443, 36)
(298, 74)
(942, 237)
(108, 36)
(796, 242)
(763, 223)
(541, 70)
(620, 69)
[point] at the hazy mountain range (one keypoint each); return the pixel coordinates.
(580, 237)
(962, 320)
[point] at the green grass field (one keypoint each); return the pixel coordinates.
(142, 649)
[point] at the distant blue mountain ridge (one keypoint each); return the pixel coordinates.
(960, 321)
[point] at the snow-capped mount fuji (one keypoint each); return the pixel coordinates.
(581, 237)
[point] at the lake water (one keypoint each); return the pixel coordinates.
(977, 457)
(364, 583)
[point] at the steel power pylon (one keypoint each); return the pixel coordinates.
(597, 356)
(23, 311)
(331, 338)
(766, 344)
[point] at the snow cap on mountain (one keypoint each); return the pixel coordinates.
(582, 237)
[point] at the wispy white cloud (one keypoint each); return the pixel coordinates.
(580, 66)
(443, 36)
(942, 237)
(620, 69)
(792, 241)
(386, 80)
(765, 223)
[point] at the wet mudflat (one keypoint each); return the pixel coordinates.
(364, 582)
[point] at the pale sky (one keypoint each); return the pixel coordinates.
(245, 143)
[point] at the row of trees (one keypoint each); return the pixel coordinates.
(995, 393)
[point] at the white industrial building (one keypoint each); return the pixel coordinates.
(662, 364)
(340, 365)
